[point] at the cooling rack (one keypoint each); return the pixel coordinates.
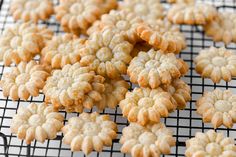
(184, 123)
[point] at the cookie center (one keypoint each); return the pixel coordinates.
(219, 61)
(152, 64)
(104, 54)
(213, 149)
(31, 5)
(123, 25)
(65, 82)
(223, 105)
(147, 138)
(76, 9)
(15, 42)
(36, 120)
(91, 129)
(145, 102)
(22, 78)
(141, 9)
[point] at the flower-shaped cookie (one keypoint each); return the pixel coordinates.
(154, 68)
(22, 42)
(39, 122)
(146, 9)
(77, 15)
(31, 10)
(24, 80)
(140, 46)
(218, 107)
(62, 50)
(192, 14)
(108, 53)
(144, 105)
(181, 1)
(224, 25)
(162, 35)
(73, 88)
(89, 132)
(115, 91)
(216, 64)
(150, 141)
(210, 144)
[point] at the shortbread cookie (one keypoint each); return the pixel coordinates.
(154, 68)
(224, 25)
(145, 105)
(218, 107)
(216, 64)
(89, 132)
(181, 1)
(192, 14)
(62, 50)
(36, 122)
(115, 91)
(22, 42)
(150, 141)
(162, 35)
(31, 10)
(140, 46)
(210, 144)
(76, 16)
(73, 88)
(108, 53)
(146, 9)
(24, 81)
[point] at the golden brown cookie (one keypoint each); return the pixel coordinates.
(181, 1)
(140, 46)
(216, 63)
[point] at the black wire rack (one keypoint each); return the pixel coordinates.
(184, 123)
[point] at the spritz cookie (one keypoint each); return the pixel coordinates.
(145, 105)
(216, 63)
(88, 132)
(150, 141)
(22, 42)
(210, 144)
(140, 46)
(224, 25)
(23, 81)
(107, 53)
(36, 122)
(192, 14)
(161, 34)
(218, 107)
(62, 50)
(115, 90)
(73, 88)
(153, 68)
(181, 1)
(31, 10)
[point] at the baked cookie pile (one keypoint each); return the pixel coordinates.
(85, 69)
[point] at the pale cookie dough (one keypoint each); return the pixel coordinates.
(24, 81)
(161, 34)
(218, 107)
(115, 91)
(210, 144)
(36, 122)
(31, 10)
(62, 50)
(22, 42)
(216, 63)
(73, 88)
(153, 68)
(145, 105)
(223, 28)
(192, 14)
(181, 1)
(149, 141)
(107, 53)
(88, 132)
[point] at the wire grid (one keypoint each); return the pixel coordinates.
(184, 123)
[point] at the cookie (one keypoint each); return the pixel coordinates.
(145, 105)
(151, 140)
(218, 107)
(181, 1)
(62, 50)
(88, 132)
(224, 25)
(22, 42)
(36, 122)
(216, 63)
(162, 35)
(107, 53)
(73, 88)
(23, 81)
(210, 143)
(153, 68)
(28, 10)
(140, 46)
(192, 14)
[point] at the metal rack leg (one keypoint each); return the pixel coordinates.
(5, 143)
(28, 150)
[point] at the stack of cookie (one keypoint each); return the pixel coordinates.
(84, 68)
